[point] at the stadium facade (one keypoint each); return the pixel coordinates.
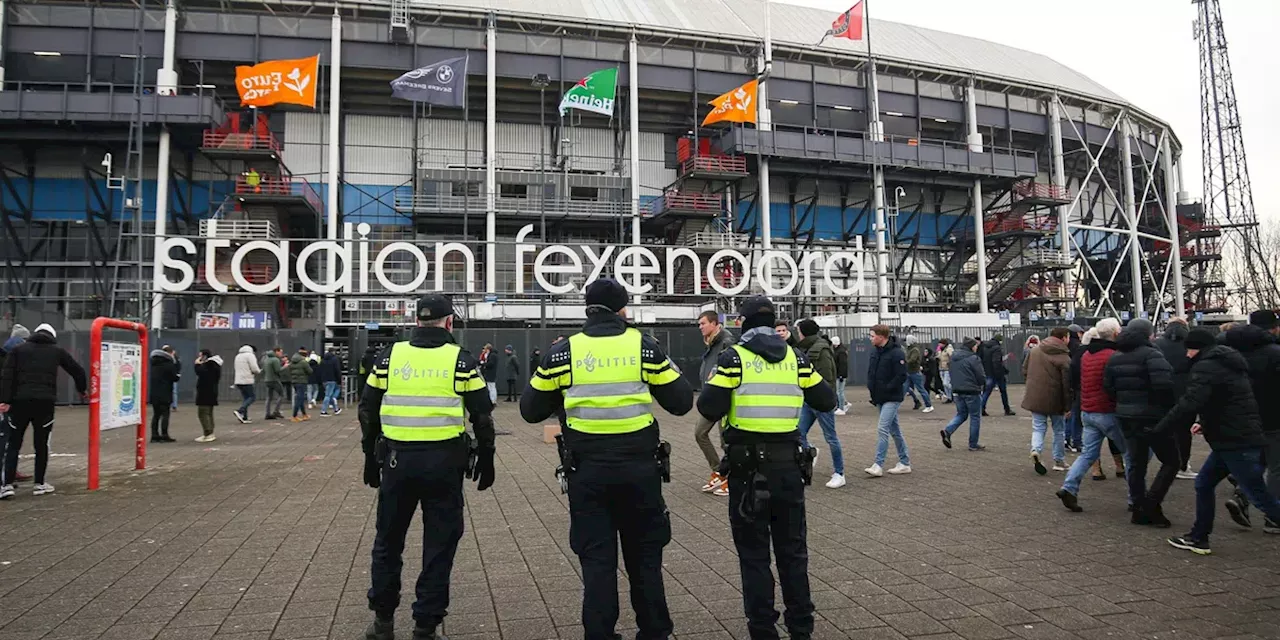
(1003, 179)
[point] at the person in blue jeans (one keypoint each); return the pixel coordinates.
(331, 378)
(915, 377)
(822, 356)
(1048, 396)
(992, 354)
(966, 391)
(1097, 409)
(886, 380)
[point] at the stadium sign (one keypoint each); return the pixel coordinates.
(778, 273)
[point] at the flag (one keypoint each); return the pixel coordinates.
(738, 105)
(443, 83)
(848, 24)
(278, 82)
(594, 93)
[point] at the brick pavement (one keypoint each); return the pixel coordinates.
(266, 534)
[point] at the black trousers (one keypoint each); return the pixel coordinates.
(159, 421)
(430, 477)
(1166, 450)
(39, 416)
(784, 526)
(511, 390)
(609, 501)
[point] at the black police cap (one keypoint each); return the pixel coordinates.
(757, 311)
(608, 293)
(434, 307)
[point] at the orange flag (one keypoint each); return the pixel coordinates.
(278, 82)
(738, 105)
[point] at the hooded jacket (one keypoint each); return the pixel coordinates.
(330, 368)
(272, 368)
(313, 376)
(821, 356)
(1048, 373)
(489, 366)
(512, 366)
(967, 375)
(1138, 378)
(30, 371)
(299, 369)
(1088, 369)
(992, 354)
(9, 345)
(944, 358)
(711, 355)
(1261, 351)
(714, 401)
(246, 366)
(842, 361)
(161, 375)
(915, 356)
(887, 373)
(208, 381)
(1174, 348)
(1220, 392)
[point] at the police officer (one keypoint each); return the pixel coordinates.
(601, 383)
(417, 451)
(757, 388)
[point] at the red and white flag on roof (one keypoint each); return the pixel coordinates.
(848, 24)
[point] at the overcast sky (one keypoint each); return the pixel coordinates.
(1141, 49)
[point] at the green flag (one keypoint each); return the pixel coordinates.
(592, 93)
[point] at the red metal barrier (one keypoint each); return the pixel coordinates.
(243, 140)
(95, 394)
(714, 164)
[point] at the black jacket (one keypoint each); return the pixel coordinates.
(479, 408)
(366, 362)
(161, 375)
(967, 375)
(711, 355)
(31, 371)
(842, 361)
(513, 367)
(1220, 392)
(1172, 345)
(887, 373)
(1261, 351)
(330, 369)
(489, 367)
(1138, 378)
(536, 406)
(714, 401)
(208, 382)
(992, 354)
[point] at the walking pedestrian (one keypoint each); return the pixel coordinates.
(915, 379)
(177, 363)
(208, 368)
(992, 353)
(757, 388)
(246, 370)
(489, 369)
(162, 375)
(1117, 450)
(331, 378)
(1030, 345)
(887, 382)
(929, 369)
(512, 369)
(842, 373)
(273, 365)
(945, 351)
(1220, 392)
(1097, 409)
(416, 453)
(717, 341)
(612, 459)
(966, 380)
(1075, 428)
(1048, 396)
(364, 368)
(1256, 341)
(18, 334)
(28, 391)
(315, 385)
(821, 357)
(300, 373)
(1140, 380)
(535, 357)
(1173, 347)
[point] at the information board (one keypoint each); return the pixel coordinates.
(119, 383)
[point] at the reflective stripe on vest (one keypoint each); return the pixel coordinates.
(769, 398)
(607, 394)
(421, 404)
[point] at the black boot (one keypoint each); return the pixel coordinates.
(1155, 517)
(381, 629)
(1140, 516)
(424, 633)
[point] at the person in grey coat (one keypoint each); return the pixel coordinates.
(717, 340)
(968, 379)
(512, 369)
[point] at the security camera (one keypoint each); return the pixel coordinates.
(106, 162)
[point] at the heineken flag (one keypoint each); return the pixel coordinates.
(595, 93)
(443, 83)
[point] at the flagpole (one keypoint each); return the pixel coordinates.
(765, 123)
(877, 172)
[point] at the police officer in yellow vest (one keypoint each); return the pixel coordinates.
(602, 383)
(757, 388)
(417, 451)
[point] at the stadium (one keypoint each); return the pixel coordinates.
(962, 176)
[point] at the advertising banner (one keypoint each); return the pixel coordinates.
(278, 82)
(228, 321)
(121, 374)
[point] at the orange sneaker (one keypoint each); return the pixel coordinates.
(717, 481)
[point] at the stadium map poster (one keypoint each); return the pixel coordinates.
(118, 385)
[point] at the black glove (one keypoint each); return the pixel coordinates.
(483, 472)
(372, 472)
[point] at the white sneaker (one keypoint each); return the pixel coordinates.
(836, 481)
(847, 407)
(817, 453)
(875, 471)
(337, 411)
(209, 438)
(6, 492)
(928, 409)
(1187, 475)
(243, 419)
(42, 489)
(900, 469)
(840, 412)
(1059, 466)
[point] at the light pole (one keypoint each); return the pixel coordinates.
(540, 82)
(898, 192)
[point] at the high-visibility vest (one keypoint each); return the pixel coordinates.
(769, 397)
(608, 394)
(421, 403)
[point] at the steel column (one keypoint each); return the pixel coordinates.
(877, 190)
(971, 117)
(1171, 212)
(1060, 181)
(490, 156)
(1131, 212)
(166, 84)
(3, 11)
(633, 104)
(764, 122)
(980, 254)
(335, 116)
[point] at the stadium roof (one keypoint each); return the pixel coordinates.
(804, 26)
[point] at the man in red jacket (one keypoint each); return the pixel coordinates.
(1097, 409)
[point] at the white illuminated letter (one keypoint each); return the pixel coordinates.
(734, 255)
(442, 249)
(421, 271)
(539, 269)
(598, 262)
(638, 262)
(211, 247)
(676, 254)
(336, 251)
(168, 262)
(280, 250)
(521, 249)
(764, 272)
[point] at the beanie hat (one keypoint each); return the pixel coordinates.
(19, 331)
(969, 344)
(1200, 338)
(1264, 318)
(1075, 328)
(47, 329)
(757, 311)
(808, 327)
(607, 293)
(1141, 325)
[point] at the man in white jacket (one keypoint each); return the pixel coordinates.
(247, 370)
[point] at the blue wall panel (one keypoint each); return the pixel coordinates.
(830, 225)
(64, 199)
